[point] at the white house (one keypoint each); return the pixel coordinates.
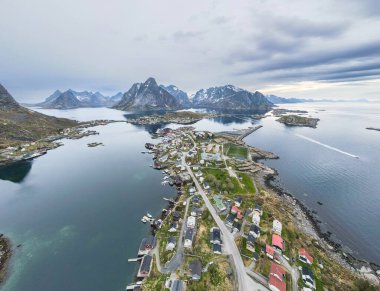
(256, 218)
(191, 222)
(277, 226)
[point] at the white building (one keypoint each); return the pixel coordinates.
(277, 226)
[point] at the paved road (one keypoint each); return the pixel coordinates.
(246, 283)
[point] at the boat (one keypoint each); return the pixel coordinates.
(164, 210)
(149, 215)
(144, 220)
(164, 182)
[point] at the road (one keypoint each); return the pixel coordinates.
(245, 282)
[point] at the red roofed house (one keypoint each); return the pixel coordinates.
(235, 210)
(269, 251)
(277, 271)
(276, 284)
(277, 278)
(305, 257)
(277, 242)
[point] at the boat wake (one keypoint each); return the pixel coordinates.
(326, 146)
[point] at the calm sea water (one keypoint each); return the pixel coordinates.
(318, 165)
(76, 211)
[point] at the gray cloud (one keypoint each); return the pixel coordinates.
(87, 44)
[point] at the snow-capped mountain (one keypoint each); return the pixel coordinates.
(229, 97)
(73, 99)
(148, 96)
(180, 95)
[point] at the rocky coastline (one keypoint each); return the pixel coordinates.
(311, 226)
(5, 256)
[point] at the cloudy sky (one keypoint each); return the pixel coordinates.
(292, 48)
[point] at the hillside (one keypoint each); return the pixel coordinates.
(19, 124)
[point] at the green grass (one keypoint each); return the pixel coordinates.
(220, 181)
(247, 182)
(236, 151)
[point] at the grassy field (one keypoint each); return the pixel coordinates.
(220, 181)
(235, 151)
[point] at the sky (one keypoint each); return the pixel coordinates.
(324, 49)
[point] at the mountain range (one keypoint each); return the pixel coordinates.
(19, 124)
(150, 96)
(72, 99)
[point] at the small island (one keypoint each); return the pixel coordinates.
(373, 128)
(94, 144)
(181, 117)
(295, 120)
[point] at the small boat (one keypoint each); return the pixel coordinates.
(165, 178)
(149, 215)
(164, 182)
(144, 220)
(164, 210)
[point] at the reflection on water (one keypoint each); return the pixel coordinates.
(16, 172)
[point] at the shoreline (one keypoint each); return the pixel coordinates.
(5, 258)
(368, 270)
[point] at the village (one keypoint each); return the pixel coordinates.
(224, 231)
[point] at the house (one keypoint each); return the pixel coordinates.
(198, 174)
(251, 243)
(277, 227)
(258, 209)
(230, 220)
(195, 211)
(215, 236)
(195, 268)
(192, 190)
(277, 271)
(304, 256)
(254, 230)
(269, 251)
(172, 241)
(176, 216)
(189, 235)
(146, 245)
(206, 186)
(217, 249)
(177, 285)
(173, 227)
(255, 218)
(145, 267)
(236, 226)
(238, 201)
(308, 277)
(277, 242)
(275, 284)
(191, 220)
(219, 203)
(235, 210)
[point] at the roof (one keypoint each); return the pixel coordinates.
(172, 239)
(277, 241)
(238, 199)
(277, 270)
(148, 242)
(251, 238)
(217, 248)
(215, 234)
(189, 234)
(307, 272)
(254, 228)
(274, 281)
(145, 264)
(235, 209)
(304, 253)
(195, 267)
(269, 250)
